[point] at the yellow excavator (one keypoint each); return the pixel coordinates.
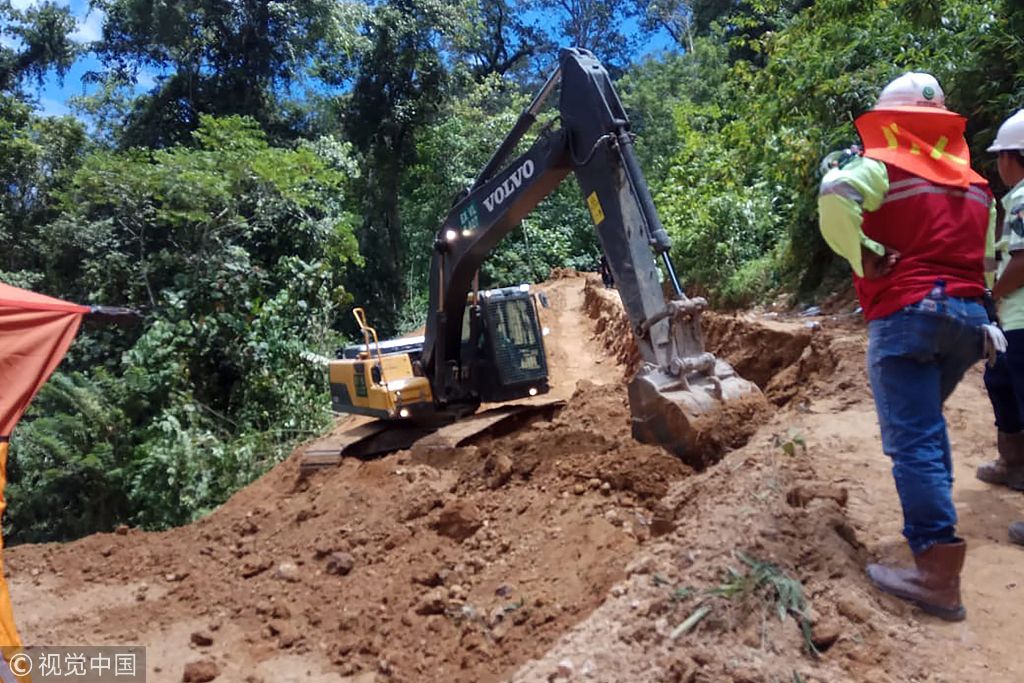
(483, 347)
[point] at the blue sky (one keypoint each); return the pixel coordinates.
(54, 94)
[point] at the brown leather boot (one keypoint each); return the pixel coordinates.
(1008, 470)
(933, 584)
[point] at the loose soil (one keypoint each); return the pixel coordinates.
(565, 550)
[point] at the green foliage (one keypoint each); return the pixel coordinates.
(219, 58)
(37, 157)
(33, 41)
(67, 476)
(777, 590)
(741, 196)
(235, 249)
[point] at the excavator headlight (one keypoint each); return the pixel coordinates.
(404, 412)
(533, 391)
(467, 233)
(450, 235)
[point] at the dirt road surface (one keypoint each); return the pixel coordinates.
(566, 551)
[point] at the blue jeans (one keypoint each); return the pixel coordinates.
(1005, 384)
(916, 357)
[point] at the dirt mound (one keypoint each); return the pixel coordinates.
(449, 565)
(760, 581)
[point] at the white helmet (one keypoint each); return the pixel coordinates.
(1011, 134)
(913, 89)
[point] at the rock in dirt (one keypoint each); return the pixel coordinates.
(202, 639)
(432, 603)
(430, 578)
(801, 495)
(340, 564)
(253, 567)
(566, 668)
(202, 671)
(284, 632)
(287, 571)
(498, 470)
(459, 520)
(826, 633)
(855, 609)
(121, 530)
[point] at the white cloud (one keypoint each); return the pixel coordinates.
(90, 29)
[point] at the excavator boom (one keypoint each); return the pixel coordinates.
(679, 382)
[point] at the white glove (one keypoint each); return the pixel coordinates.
(995, 342)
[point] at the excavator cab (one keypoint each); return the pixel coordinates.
(506, 345)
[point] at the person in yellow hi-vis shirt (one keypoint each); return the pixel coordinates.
(35, 333)
(1005, 379)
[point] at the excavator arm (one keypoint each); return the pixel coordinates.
(679, 381)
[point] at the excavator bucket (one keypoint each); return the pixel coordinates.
(679, 415)
(680, 405)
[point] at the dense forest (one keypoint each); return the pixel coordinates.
(245, 171)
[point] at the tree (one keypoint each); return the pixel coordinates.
(497, 39)
(675, 16)
(37, 154)
(222, 57)
(606, 27)
(235, 249)
(33, 41)
(399, 86)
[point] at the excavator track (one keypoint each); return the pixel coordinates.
(381, 437)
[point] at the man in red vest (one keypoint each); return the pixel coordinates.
(916, 225)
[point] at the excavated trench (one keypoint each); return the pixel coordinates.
(782, 359)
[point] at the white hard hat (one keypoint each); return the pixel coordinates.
(913, 90)
(1010, 135)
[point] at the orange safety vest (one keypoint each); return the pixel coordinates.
(35, 333)
(928, 143)
(939, 231)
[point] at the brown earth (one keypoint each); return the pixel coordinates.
(565, 550)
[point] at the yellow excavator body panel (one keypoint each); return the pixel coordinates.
(380, 386)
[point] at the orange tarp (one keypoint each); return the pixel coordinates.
(930, 143)
(35, 333)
